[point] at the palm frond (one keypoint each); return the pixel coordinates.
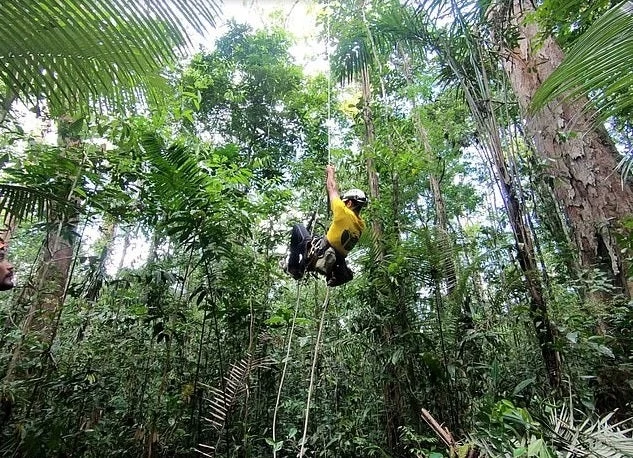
(352, 54)
(593, 436)
(80, 52)
(599, 64)
(222, 400)
(207, 450)
(23, 202)
(176, 173)
(561, 433)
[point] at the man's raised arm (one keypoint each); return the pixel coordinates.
(330, 183)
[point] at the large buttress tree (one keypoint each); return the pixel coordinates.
(579, 157)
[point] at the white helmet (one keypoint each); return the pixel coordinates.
(355, 195)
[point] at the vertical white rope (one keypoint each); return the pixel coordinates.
(283, 372)
(313, 372)
(328, 122)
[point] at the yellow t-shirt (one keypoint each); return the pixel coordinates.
(345, 229)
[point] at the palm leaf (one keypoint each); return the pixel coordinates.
(194, 195)
(568, 437)
(222, 400)
(78, 53)
(592, 437)
(23, 202)
(599, 64)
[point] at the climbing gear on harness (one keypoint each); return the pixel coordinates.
(309, 254)
(315, 254)
(321, 257)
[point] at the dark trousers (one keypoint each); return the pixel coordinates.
(302, 257)
(300, 242)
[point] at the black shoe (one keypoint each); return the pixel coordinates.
(335, 281)
(340, 276)
(296, 272)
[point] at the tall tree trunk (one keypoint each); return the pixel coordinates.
(441, 219)
(577, 152)
(370, 138)
(392, 391)
(47, 292)
(58, 250)
(526, 255)
(449, 267)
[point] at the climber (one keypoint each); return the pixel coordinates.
(326, 254)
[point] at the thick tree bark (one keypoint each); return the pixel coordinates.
(579, 156)
(392, 391)
(46, 293)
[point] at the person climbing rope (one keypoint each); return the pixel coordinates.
(326, 254)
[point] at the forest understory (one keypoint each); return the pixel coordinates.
(155, 155)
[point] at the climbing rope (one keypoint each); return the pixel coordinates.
(317, 344)
(315, 357)
(284, 370)
(329, 84)
(327, 294)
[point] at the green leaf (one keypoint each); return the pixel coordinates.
(602, 349)
(598, 64)
(522, 385)
(95, 53)
(275, 445)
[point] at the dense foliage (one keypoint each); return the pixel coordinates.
(151, 316)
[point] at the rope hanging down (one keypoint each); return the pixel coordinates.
(315, 357)
(329, 84)
(317, 345)
(283, 372)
